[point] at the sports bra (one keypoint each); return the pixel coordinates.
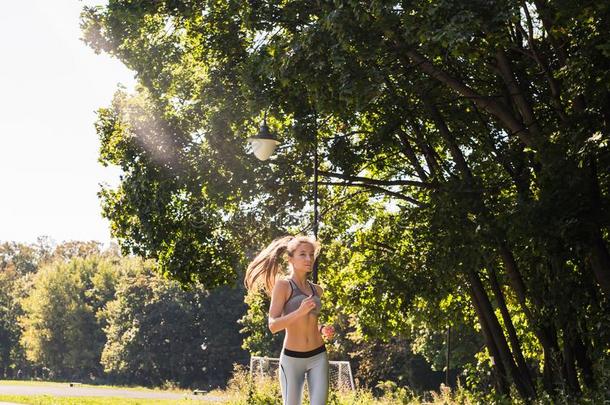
(297, 296)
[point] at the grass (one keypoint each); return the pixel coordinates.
(54, 400)
(37, 383)
(49, 400)
(244, 390)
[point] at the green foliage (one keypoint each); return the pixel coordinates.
(149, 152)
(18, 267)
(464, 153)
(244, 389)
(60, 328)
(77, 310)
(11, 354)
(258, 339)
(155, 331)
(22, 258)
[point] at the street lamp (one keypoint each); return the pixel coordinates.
(264, 143)
(263, 146)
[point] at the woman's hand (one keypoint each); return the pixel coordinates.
(306, 305)
(328, 332)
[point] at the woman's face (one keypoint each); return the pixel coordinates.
(302, 258)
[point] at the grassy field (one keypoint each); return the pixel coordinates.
(95, 400)
(64, 383)
(243, 390)
(48, 400)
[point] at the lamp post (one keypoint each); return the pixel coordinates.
(263, 146)
(315, 201)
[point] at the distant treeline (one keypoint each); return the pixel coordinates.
(79, 312)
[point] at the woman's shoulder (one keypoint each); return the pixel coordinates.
(319, 289)
(281, 289)
(281, 284)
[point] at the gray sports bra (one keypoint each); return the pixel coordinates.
(297, 296)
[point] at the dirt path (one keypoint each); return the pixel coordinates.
(67, 391)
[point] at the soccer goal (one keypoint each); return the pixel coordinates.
(341, 377)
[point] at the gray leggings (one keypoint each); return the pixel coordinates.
(292, 376)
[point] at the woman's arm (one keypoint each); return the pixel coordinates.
(280, 323)
(327, 331)
(278, 298)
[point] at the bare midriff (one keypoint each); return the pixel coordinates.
(302, 335)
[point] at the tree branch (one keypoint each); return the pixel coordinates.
(501, 112)
(410, 154)
(370, 181)
(554, 85)
(375, 188)
(446, 134)
(432, 159)
(524, 107)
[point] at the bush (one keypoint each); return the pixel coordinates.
(243, 389)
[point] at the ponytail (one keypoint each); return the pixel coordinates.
(266, 266)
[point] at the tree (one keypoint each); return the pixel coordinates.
(61, 330)
(71, 249)
(11, 354)
(482, 127)
(18, 266)
(158, 332)
(21, 257)
(258, 339)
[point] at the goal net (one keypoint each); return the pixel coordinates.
(341, 377)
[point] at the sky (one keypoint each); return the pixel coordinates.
(51, 84)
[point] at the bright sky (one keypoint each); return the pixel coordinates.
(51, 83)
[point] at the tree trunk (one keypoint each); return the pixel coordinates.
(523, 105)
(510, 328)
(557, 267)
(500, 378)
(551, 374)
(547, 336)
(525, 391)
(569, 362)
(584, 362)
(599, 258)
(600, 262)
(454, 149)
(436, 171)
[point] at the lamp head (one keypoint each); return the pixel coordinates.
(264, 143)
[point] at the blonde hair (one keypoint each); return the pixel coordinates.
(266, 265)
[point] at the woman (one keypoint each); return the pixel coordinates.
(295, 306)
